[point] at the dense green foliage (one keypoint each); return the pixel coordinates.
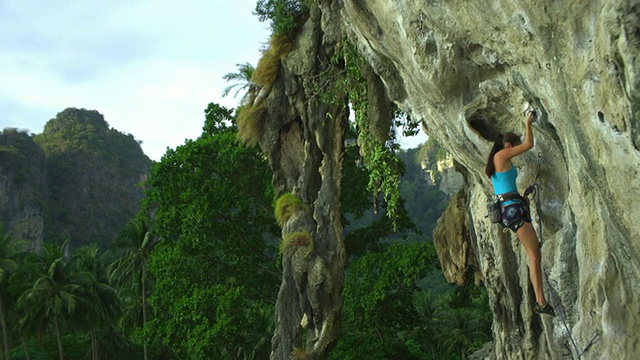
(285, 16)
(66, 304)
(214, 265)
(10, 249)
(423, 202)
(129, 272)
(398, 306)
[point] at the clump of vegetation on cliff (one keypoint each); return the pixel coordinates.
(285, 16)
(286, 206)
(378, 148)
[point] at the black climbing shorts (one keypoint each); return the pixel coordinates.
(515, 215)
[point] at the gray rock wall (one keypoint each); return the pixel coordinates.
(23, 187)
(467, 69)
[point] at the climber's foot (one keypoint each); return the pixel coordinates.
(547, 309)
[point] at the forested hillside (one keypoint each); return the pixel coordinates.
(80, 178)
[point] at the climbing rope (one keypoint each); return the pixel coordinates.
(534, 191)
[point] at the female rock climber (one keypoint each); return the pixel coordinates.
(514, 208)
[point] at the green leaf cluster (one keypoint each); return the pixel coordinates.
(398, 306)
(343, 81)
(285, 16)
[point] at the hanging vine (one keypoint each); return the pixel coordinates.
(344, 76)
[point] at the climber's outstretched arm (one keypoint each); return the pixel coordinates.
(513, 150)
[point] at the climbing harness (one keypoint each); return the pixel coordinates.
(534, 191)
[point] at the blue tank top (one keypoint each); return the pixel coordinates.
(505, 182)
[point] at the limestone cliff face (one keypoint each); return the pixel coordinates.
(78, 181)
(467, 69)
(444, 174)
(23, 187)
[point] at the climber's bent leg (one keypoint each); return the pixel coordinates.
(529, 240)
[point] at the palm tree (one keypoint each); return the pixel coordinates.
(242, 78)
(51, 292)
(257, 344)
(99, 305)
(460, 331)
(134, 246)
(9, 250)
(426, 309)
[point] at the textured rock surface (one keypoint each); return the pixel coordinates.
(304, 140)
(467, 68)
(23, 187)
(454, 245)
(450, 179)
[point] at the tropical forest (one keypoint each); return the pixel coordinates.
(106, 254)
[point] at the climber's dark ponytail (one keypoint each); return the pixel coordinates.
(509, 137)
(497, 146)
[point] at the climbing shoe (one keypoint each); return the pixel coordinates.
(547, 309)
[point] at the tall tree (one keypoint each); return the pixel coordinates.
(379, 311)
(50, 294)
(100, 305)
(242, 80)
(9, 250)
(133, 247)
(214, 265)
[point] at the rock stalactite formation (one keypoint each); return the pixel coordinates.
(304, 139)
(467, 70)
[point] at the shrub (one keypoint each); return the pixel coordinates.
(266, 73)
(297, 239)
(251, 123)
(286, 16)
(286, 205)
(299, 354)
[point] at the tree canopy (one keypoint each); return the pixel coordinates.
(214, 265)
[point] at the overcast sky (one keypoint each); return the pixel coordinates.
(150, 67)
